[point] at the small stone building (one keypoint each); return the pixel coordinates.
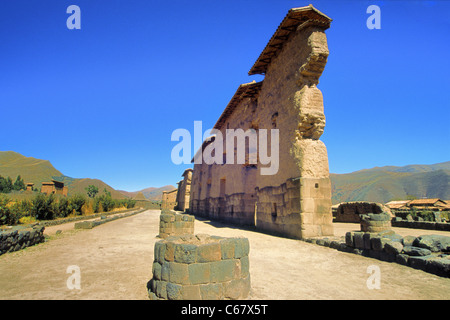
(30, 186)
(169, 200)
(184, 191)
(54, 187)
(296, 200)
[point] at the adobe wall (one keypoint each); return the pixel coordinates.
(295, 201)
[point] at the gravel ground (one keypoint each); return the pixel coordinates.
(115, 261)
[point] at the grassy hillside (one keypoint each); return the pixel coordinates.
(37, 171)
(30, 169)
(383, 184)
(78, 186)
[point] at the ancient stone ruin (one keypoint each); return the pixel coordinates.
(14, 240)
(184, 191)
(200, 267)
(171, 224)
(353, 211)
(295, 201)
(169, 200)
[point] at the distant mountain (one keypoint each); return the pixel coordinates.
(151, 193)
(30, 169)
(383, 184)
(37, 171)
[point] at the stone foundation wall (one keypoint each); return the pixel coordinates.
(427, 225)
(430, 253)
(299, 208)
(200, 267)
(171, 224)
(352, 211)
(104, 219)
(19, 239)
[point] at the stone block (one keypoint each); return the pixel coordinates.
(227, 248)
(178, 273)
(419, 262)
(387, 256)
(245, 266)
(165, 271)
(211, 291)
(434, 243)
(416, 251)
(222, 271)
(393, 247)
(439, 266)
(378, 243)
(237, 289)
(408, 240)
(402, 259)
(169, 253)
(358, 240)
(375, 254)
(185, 253)
(209, 252)
(367, 240)
(242, 247)
(173, 291)
(156, 270)
(199, 273)
(161, 289)
(191, 292)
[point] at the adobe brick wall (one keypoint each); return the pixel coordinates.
(200, 267)
(296, 200)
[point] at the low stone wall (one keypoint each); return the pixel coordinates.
(171, 223)
(200, 267)
(352, 211)
(104, 219)
(56, 222)
(372, 222)
(430, 253)
(441, 226)
(18, 239)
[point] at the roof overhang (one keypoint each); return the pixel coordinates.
(296, 18)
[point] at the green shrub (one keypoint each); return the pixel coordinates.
(76, 203)
(15, 213)
(4, 210)
(130, 203)
(63, 208)
(43, 208)
(107, 202)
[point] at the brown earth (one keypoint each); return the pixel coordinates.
(115, 261)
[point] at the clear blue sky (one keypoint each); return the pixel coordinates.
(102, 102)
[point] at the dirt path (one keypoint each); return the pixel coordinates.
(115, 261)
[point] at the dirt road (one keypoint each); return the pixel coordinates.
(115, 262)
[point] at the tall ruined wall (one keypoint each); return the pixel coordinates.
(184, 191)
(169, 200)
(296, 201)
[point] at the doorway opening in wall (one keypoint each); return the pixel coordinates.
(222, 203)
(255, 215)
(274, 211)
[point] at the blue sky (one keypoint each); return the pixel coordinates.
(102, 102)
